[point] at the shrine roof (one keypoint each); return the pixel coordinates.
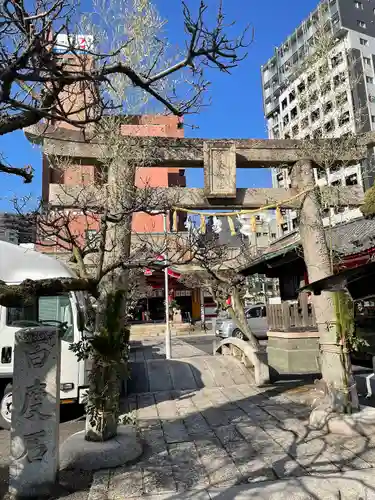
(346, 239)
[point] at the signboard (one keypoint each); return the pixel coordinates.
(183, 293)
(77, 43)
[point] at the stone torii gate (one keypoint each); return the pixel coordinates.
(220, 159)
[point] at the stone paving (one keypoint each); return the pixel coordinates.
(149, 348)
(201, 444)
(190, 368)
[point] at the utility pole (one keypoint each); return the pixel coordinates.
(168, 344)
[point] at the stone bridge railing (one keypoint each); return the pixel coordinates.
(256, 360)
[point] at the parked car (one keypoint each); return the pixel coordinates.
(256, 318)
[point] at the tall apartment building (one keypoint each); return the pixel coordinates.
(255, 238)
(17, 229)
(341, 95)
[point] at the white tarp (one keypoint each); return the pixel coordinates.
(18, 263)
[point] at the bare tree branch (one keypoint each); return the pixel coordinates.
(38, 83)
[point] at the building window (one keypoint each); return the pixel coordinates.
(351, 180)
(361, 24)
(341, 99)
(344, 118)
(284, 104)
(292, 96)
(339, 210)
(337, 59)
(311, 78)
(320, 172)
(295, 130)
(301, 87)
(367, 61)
(273, 235)
(293, 113)
(329, 126)
(363, 42)
(314, 97)
(323, 70)
(358, 5)
(326, 87)
(315, 115)
(339, 79)
(286, 120)
(369, 79)
(305, 122)
(90, 235)
(372, 118)
(327, 108)
(317, 134)
(259, 235)
(335, 20)
(336, 183)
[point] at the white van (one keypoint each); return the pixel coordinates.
(16, 265)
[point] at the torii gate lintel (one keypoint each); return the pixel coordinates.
(219, 157)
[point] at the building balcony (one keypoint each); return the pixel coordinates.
(271, 107)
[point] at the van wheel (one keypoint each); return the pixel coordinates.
(6, 408)
(238, 334)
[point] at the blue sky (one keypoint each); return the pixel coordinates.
(236, 109)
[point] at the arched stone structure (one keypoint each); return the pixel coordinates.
(248, 356)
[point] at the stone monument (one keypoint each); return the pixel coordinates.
(34, 451)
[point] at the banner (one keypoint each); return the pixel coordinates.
(78, 44)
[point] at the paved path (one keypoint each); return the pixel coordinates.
(193, 373)
(190, 369)
(217, 438)
(182, 347)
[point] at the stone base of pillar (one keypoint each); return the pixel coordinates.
(293, 353)
(77, 453)
(360, 423)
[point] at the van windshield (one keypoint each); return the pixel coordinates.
(50, 311)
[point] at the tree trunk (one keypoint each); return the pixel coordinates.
(335, 362)
(121, 184)
(237, 312)
(102, 424)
